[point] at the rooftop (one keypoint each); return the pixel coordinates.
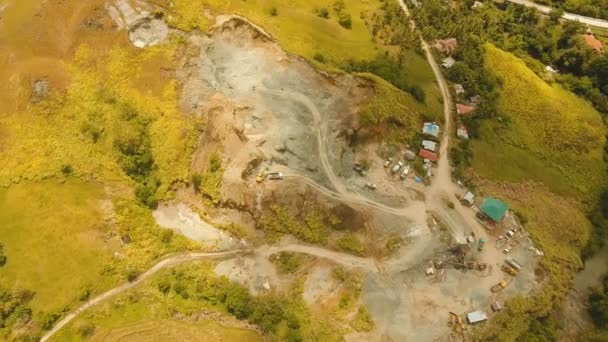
(429, 145)
(494, 208)
(464, 109)
(431, 128)
(476, 316)
(593, 42)
(432, 156)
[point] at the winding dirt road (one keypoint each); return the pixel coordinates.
(344, 259)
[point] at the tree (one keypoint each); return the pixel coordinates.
(164, 287)
(323, 12)
(555, 15)
(598, 308)
(196, 181)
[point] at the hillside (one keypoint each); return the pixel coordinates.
(547, 134)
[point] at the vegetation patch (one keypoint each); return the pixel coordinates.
(191, 289)
(288, 262)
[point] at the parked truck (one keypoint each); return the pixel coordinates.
(509, 270)
(513, 263)
(499, 287)
(480, 245)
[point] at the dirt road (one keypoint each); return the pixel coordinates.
(344, 259)
(567, 16)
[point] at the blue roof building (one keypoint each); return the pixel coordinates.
(431, 128)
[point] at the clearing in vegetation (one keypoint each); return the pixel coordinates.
(547, 134)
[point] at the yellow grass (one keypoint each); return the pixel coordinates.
(54, 239)
(296, 27)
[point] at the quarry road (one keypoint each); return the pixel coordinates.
(567, 16)
(344, 259)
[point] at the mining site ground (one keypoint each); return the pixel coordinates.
(265, 108)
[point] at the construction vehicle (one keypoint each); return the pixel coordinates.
(262, 176)
(499, 287)
(482, 242)
(275, 175)
(513, 263)
(509, 270)
(370, 186)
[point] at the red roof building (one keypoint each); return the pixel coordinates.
(593, 43)
(464, 109)
(432, 156)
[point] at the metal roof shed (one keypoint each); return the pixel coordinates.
(431, 128)
(476, 316)
(429, 145)
(494, 208)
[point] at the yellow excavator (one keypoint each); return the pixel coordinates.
(262, 176)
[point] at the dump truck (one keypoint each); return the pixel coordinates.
(499, 287)
(513, 263)
(482, 242)
(509, 270)
(275, 175)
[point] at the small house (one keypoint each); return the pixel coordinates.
(551, 69)
(475, 99)
(468, 198)
(458, 89)
(494, 209)
(429, 145)
(476, 317)
(446, 46)
(462, 132)
(426, 154)
(448, 62)
(593, 43)
(464, 109)
(431, 128)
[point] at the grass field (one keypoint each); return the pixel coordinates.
(53, 236)
(551, 135)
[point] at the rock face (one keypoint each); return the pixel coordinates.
(144, 29)
(40, 90)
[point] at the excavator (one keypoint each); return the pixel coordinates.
(262, 176)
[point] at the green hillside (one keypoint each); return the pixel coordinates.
(547, 134)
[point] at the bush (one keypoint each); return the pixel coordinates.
(166, 235)
(363, 321)
(345, 21)
(288, 262)
(351, 243)
(164, 287)
(67, 170)
(323, 12)
(196, 181)
(48, 319)
(131, 274)
(598, 308)
(319, 58)
(86, 330)
(417, 93)
(274, 11)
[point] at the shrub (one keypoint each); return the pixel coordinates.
(323, 12)
(131, 274)
(288, 262)
(166, 235)
(164, 287)
(196, 181)
(67, 170)
(346, 21)
(274, 11)
(363, 321)
(417, 93)
(86, 330)
(48, 319)
(351, 243)
(319, 58)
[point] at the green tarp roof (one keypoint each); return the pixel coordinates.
(494, 208)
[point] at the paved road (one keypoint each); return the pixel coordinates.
(568, 16)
